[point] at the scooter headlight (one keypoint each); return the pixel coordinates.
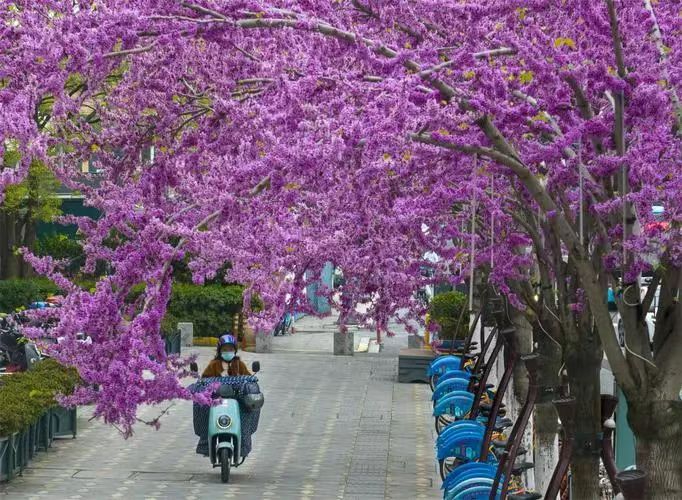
(224, 422)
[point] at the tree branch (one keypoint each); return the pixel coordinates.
(664, 57)
(137, 50)
(204, 10)
(651, 291)
(615, 36)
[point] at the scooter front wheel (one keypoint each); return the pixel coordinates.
(225, 465)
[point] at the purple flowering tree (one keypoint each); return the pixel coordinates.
(366, 133)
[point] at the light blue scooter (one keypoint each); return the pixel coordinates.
(225, 429)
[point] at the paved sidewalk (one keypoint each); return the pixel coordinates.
(332, 427)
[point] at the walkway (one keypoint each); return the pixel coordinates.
(331, 427)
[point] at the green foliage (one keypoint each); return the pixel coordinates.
(445, 309)
(18, 293)
(62, 247)
(35, 194)
(209, 307)
(25, 396)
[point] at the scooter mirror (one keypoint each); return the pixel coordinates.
(193, 367)
(255, 366)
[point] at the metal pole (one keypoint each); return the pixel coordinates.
(473, 247)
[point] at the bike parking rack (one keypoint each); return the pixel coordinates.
(504, 469)
(479, 472)
(507, 336)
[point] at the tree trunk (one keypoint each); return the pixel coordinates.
(546, 448)
(583, 362)
(11, 264)
(658, 429)
(3, 244)
(29, 238)
(516, 397)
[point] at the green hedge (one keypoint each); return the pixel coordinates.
(21, 292)
(24, 397)
(209, 307)
(445, 309)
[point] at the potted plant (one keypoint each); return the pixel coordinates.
(448, 310)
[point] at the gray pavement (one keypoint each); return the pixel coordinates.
(332, 427)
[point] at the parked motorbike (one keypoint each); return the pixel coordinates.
(284, 325)
(17, 353)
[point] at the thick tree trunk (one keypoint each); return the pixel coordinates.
(546, 448)
(583, 362)
(10, 268)
(516, 396)
(658, 429)
(29, 239)
(3, 244)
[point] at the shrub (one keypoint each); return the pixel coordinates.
(25, 396)
(18, 293)
(445, 309)
(209, 307)
(62, 247)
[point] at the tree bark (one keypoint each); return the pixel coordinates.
(516, 397)
(3, 244)
(11, 264)
(658, 427)
(583, 363)
(546, 448)
(29, 239)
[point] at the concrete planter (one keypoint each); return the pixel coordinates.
(263, 343)
(186, 334)
(5, 452)
(63, 422)
(344, 343)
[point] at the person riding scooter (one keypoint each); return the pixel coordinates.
(226, 362)
(225, 366)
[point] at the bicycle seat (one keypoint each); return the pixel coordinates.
(502, 425)
(521, 467)
(500, 413)
(524, 496)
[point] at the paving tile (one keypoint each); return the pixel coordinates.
(332, 427)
